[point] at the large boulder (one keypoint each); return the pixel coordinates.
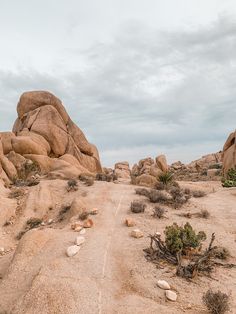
(229, 153)
(122, 170)
(7, 141)
(162, 163)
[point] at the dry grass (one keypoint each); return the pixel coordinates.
(137, 207)
(221, 253)
(158, 197)
(72, 185)
(87, 179)
(158, 212)
(15, 193)
(142, 191)
(198, 193)
(216, 302)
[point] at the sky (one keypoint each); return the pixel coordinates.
(139, 77)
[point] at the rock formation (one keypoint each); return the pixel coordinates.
(122, 170)
(229, 153)
(45, 134)
(147, 170)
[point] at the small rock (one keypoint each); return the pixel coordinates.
(79, 240)
(88, 223)
(82, 231)
(136, 233)
(163, 284)
(171, 295)
(77, 226)
(50, 221)
(94, 211)
(72, 250)
(2, 250)
(129, 222)
(158, 234)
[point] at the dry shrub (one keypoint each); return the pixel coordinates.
(142, 191)
(203, 214)
(15, 193)
(198, 193)
(216, 302)
(158, 212)
(72, 185)
(107, 177)
(157, 197)
(160, 186)
(178, 196)
(137, 207)
(31, 223)
(84, 215)
(221, 253)
(87, 179)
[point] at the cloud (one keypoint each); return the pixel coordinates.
(146, 91)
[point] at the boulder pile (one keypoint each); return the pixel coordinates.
(45, 137)
(147, 171)
(229, 153)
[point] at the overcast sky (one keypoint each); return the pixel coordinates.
(140, 77)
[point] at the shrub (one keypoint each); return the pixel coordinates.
(142, 191)
(157, 197)
(166, 178)
(182, 238)
(203, 214)
(87, 179)
(137, 207)
(28, 168)
(230, 181)
(107, 177)
(33, 222)
(198, 193)
(84, 215)
(15, 193)
(216, 302)
(178, 196)
(221, 253)
(160, 186)
(158, 212)
(215, 166)
(72, 185)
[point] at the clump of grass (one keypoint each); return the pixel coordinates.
(142, 191)
(106, 177)
(230, 180)
(180, 239)
(87, 179)
(84, 215)
(221, 253)
(157, 197)
(137, 207)
(72, 185)
(204, 213)
(160, 186)
(15, 193)
(198, 193)
(158, 212)
(216, 302)
(179, 197)
(166, 178)
(31, 223)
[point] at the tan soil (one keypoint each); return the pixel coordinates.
(110, 273)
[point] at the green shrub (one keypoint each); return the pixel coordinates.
(182, 238)
(166, 178)
(230, 180)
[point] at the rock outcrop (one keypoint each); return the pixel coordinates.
(147, 171)
(122, 170)
(229, 153)
(45, 134)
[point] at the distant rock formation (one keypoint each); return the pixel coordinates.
(122, 170)
(147, 170)
(229, 153)
(45, 134)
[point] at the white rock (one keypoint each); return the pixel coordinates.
(72, 250)
(2, 250)
(163, 284)
(79, 240)
(171, 295)
(50, 221)
(136, 233)
(83, 231)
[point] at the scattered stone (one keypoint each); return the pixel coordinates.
(158, 234)
(79, 240)
(171, 295)
(2, 250)
(88, 223)
(163, 284)
(136, 233)
(94, 211)
(82, 231)
(50, 221)
(72, 250)
(77, 226)
(129, 222)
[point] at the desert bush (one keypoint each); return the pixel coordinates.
(215, 166)
(198, 193)
(187, 191)
(216, 302)
(72, 185)
(87, 179)
(203, 214)
(137, 207)
(31, 223)
(15, 193)
(178, 196)
(157, 197)
(28, 168)
(142, 191)
(221, 253)
(107, 177)
(158, 212)
(166, 178)
(182, 238)
(160, 186)
(84, 215)
(230, 180)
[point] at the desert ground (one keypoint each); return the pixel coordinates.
(110, 273)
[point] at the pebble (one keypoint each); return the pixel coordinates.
(88, 223)
(79, 240)
(72, 250)
(82, 231)
(77, 226)
(129, 222)
(50, 221)
(171, 295)
(163, 284)
(2, 250)
(136, 233)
